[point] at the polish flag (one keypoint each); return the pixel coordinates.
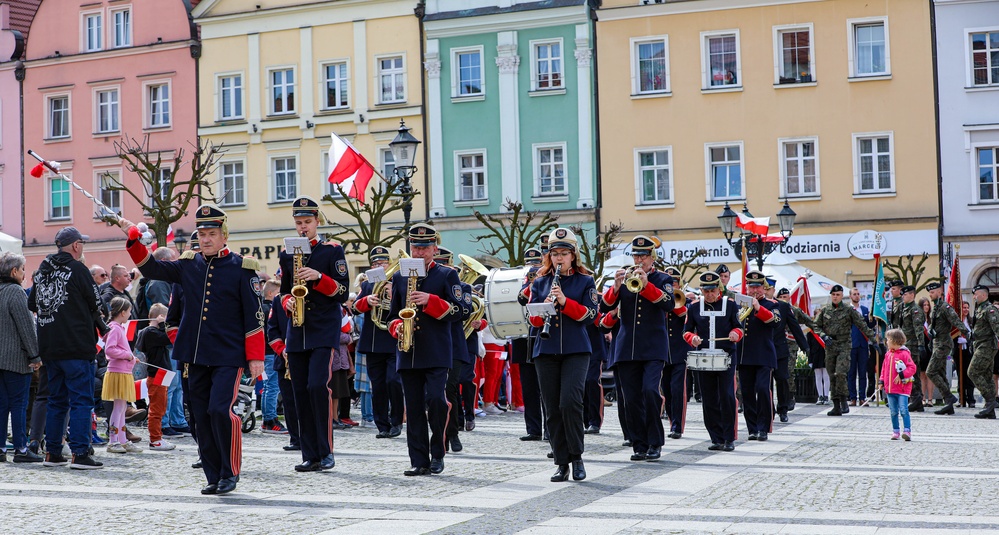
(130, 329)
(141, 389)
(756, 225)
(100, 344)
(349, 169)
(162, 377)
(169, 238)
(346, 324)
(802, 298)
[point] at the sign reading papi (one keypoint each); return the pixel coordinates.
(861, 244)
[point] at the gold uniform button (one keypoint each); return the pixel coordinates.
(206, 301)
(204, 318)
(209, 275)
(208, 293)
(206, 309)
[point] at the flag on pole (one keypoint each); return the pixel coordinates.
(130, 329)
(745, 265)
(954, 285)
(756, 225)
(801, 297)
(141, 389)
(348, 168)
(162, 377)
(880, 306)
(169, 238)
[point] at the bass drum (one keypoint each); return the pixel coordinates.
(507, 318)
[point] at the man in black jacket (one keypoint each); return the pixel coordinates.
(69, 316)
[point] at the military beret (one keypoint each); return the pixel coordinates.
(305, 207)
(422, 234)
(982, 287)
(896, 283)
(210, 216)
(782, 292)
(709, 280)
(755, 278)
(378, 253)
(933, 285)
(562, 238)
(836, 288)
(722, 268)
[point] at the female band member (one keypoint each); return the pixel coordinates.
(562, 350)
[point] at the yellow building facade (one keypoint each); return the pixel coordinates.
(276, 78)
(827, 104)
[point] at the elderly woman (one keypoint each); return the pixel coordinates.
(18, 357)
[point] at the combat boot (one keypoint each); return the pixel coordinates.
(837, 409)
(844, 406)
(946, 409)
(988, 412)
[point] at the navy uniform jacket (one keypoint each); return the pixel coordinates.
(568, 326)
(678, 347)
(373, 339)
(324, 300)
(642, 317)
(174, 312)
(459, 345)
(224, 288)
(788, 322)
(596, 341)
(523, 298)
(698, 323)
(432, 324)
(761, 328)
(277, 326)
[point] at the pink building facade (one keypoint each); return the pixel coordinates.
(98, 72)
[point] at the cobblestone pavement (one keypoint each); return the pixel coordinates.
(817, 474)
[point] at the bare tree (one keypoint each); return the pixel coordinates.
(163, 197)
(516, 230)
(690, 266)
(367, 227)
(910, 271)
(593, 255)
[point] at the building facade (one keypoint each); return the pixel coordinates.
(825, 104)
(116, 70)
(510, 112)
(967, 46)
(276, 81)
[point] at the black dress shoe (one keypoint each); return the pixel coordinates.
(383, 434)
(551, 455)
(591, 430)
(675, 434)
(436, 466)
(753, 436)
(638, 456)
(654, 453)
(456, 444)
(327, 463)
(626, 443)
(716, 446)
(308, 466)
(395, 431)
(783, 417)
(227, 485)
(292, 447)
(763, 436)
(530, 438)
(790, 407)
(196, 464)
(211, 488)
(562, 474)
(417, 471)
(578, 471)
(729, 446)
(946, 409)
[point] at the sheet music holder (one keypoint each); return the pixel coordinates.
(541, 309)
(297, 245)
(412, 266)
(743, 300)
(375, 274)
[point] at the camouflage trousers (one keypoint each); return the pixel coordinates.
(980, 373)
(936, 370)
(838, 365)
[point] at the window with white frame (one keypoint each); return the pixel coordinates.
(335, 82)
(470, 167)
(721, 59)
(233, 178)
(230, 90)
(985, 58)
(107, 112)
(163, 178)
(869, 52)
(58, 116)
(282, 89)
(93, 32)
(59, 207)
(121, 20)
(285, 178)
(549, 170)
(799, 167)
(388, 163)
(874, 163)
(651, 66)
(466, 69)
(725, 172)
(158, 97)
(107, 179)
(330, 187)
(988, 174)
(795, 61)
(392, 80)
(548, 65)
(654, 176)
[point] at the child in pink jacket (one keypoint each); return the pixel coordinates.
(119, 386)
(897, 373)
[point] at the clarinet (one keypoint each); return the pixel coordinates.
(548, 319)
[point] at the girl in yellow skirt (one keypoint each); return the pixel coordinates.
(119, 385)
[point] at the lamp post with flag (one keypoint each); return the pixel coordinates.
(404, 155)
(754, 237)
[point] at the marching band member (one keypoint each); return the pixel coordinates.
(642, 346)
(521, 352)
(277, 333)
(378, 347)
(787, 325)
(759, 359)
(714, 322)
(561, 358)
(460, 358)
(310, 345)
(221, 333)
(424, 366)
(593, 392)
(674, 382)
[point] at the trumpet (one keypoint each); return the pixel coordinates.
(633, 281)
(545, 334)
(408, 315)
(380, 312)
(299, 290)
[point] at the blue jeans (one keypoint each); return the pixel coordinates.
(71, 391)
(366, 413)
(857, 372)
(174, 416)
(271, 390)
(899, 404)
(14, 401)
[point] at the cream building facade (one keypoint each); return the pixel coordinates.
(827, 104)
(277, 77)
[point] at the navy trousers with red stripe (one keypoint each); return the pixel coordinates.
(718, 402)
(426, 403)
(311, 372)
(640, 381)
(212, 391)
(757, 399)
(675, 391)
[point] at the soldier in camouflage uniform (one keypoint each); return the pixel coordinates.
(910, 318)
(836, 321)
(943, 318)
(984, 329)
(725, 274)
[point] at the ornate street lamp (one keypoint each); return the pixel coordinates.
(786, 220)
(758, 247)
(404, 155)
(179, 241)
(727, 222)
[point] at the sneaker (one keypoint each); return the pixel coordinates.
(131, 448)
(27, 456)
(85, 462)
(172, 433)
(367, 423)
(491, 408)
(906, 435)
(161, 445)
(348, 422)
(894, 436)
(35, 447)
(114, 447)
(97, 439)
(183, 430)
(274, 427)
(479, 412)
(54, 459)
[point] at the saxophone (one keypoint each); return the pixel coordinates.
(407, 315)
(298, 291)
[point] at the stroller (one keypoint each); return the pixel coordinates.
(246, 402)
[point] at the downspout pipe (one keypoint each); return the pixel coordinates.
(592, 5)
(420, 11)
(936, 120)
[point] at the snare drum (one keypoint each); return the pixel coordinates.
(507, 318)
(708, 360)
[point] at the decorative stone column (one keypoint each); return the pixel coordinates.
(435, 135)
(584, 104)
(508, 63)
